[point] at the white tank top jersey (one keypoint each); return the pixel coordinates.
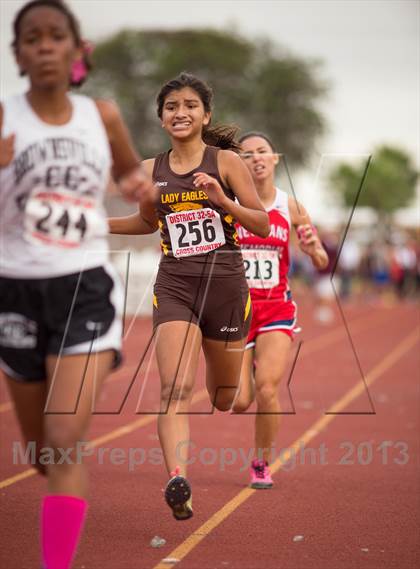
(281, 204)
(53, 221)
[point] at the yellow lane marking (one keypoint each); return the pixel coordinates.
(120, 432)
(8, 405)
(197, 536)
(356, 325)
(311, 346)
(18, 477)
(134, 425)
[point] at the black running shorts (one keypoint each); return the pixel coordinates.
(73, 314)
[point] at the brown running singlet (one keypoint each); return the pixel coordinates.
(201, 274)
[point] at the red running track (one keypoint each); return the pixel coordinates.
(349, 488)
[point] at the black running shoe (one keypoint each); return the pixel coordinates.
(178, 496)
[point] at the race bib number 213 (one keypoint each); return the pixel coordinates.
(261, 268)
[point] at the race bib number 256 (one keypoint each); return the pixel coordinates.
(195, 232)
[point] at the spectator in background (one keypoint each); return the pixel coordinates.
(417, 277)
(348, 265)
(403, 268)
(376, 268)
(324, 290)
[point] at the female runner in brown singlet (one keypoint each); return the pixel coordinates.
(201, 299)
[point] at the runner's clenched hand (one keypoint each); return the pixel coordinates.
(211, 186)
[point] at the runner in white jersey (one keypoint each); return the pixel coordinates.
(273, 310)
(60, 302)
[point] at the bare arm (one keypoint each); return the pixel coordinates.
(141, 223)
(124, 156)
(134, 182)
(7, 145)
(134, 176)
(133, 224)
(309, 242)
(249, 212)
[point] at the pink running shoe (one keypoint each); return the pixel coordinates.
(260, 475)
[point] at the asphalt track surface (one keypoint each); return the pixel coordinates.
(346, 468)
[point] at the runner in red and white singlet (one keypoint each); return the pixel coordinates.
(266, 267)
(273, 310)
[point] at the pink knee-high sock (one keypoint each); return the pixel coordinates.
(62, 520)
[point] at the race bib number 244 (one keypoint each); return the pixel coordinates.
(61, 219)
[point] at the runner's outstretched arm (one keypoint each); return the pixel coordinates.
(145, 220)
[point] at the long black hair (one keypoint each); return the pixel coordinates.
(223, 136)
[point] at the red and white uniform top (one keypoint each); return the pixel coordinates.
(267, 260)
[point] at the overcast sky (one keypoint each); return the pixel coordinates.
(370, 50)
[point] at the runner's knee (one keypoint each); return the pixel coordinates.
(266, 394)
(173, 394)
(63, 437)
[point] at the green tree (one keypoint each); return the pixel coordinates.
(256, 86)
(389, 183)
